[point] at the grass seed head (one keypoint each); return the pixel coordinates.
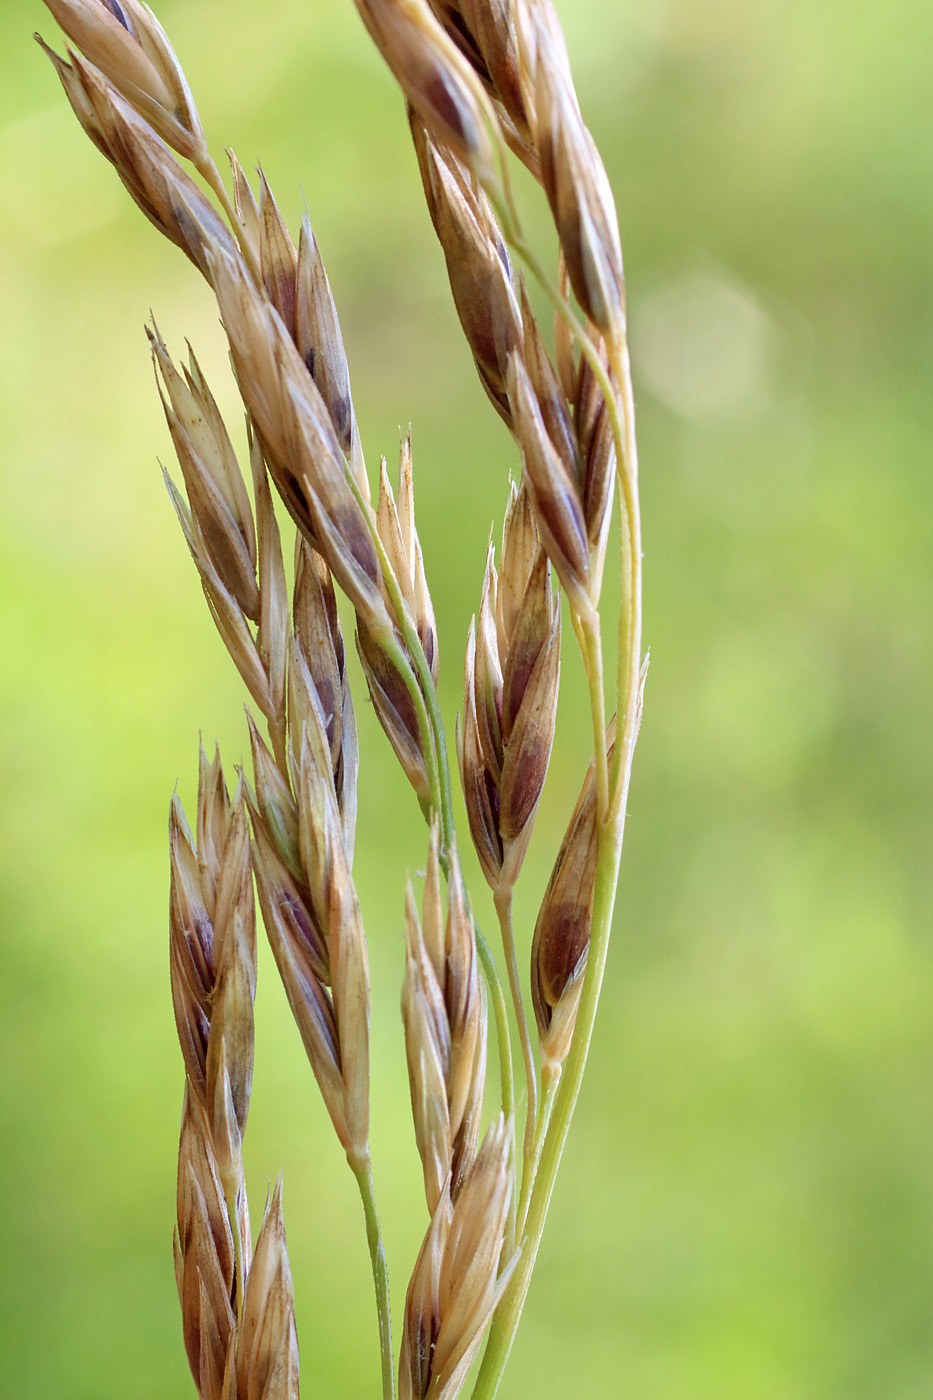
(395, 710)
(320, 344)
(267, 1345)
(318, 676)
(510, 698)
(470, 1284)
(577, 187)
(562, 932)
(395, 521)
(427, 1042)
(125, 41)
(168, 197)
(552, 488)
(205, 1256)
(213, 964)
(434, 76)
(422, 1309)
(493, 27)
(478, 263)
(456, 1283)
(444, 1011)
(221, 515)
(278, 258)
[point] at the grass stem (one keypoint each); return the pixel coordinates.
(362, 1170)
(503, 904)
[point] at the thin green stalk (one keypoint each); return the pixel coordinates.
(550, 1078)
(587, 629)
(503, 904)
(630, 662)
(362, 1170)
(508, 1314)
(501, 1017)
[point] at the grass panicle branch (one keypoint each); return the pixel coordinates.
(484, 82)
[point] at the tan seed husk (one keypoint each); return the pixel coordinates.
(213, 964)
(562, 931)
(267, 1345)
(444, 1011)
(511, 683)
(125, 41)
(433, 74)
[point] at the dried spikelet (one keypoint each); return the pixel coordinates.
(272, 633)
(396, 711)
(395, 521)
(562, 933)
(278, 257)
(313, 921)
(566, 441)
(422, 1309)
(487, 32)
(576, 184)
(296, 284)
(302, 450)
(456, 1283)
(511, 680)
(445, 1030)
(579, 428)
(478, 263)
(388, 688)
(225, 542)
(433, 74)
(247, 210)
(320, 344)
(124, 40)
(205, 1254)
(213, 961)
(221, 515)
(552, 488)
(163, 191)
(267, 1345)
(318, 679)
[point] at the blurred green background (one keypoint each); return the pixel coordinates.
(745, 1209)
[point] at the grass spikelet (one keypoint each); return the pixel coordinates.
(267, 1348)
(444, 1012)
(510, 698)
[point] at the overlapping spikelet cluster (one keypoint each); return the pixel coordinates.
(480, 78)
(237, 1344)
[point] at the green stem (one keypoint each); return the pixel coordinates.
(508, 1314)
(503, 902)
(587, 629)
(630, 607)
(501, 1017)
(550, 1078)
(362, 1170)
